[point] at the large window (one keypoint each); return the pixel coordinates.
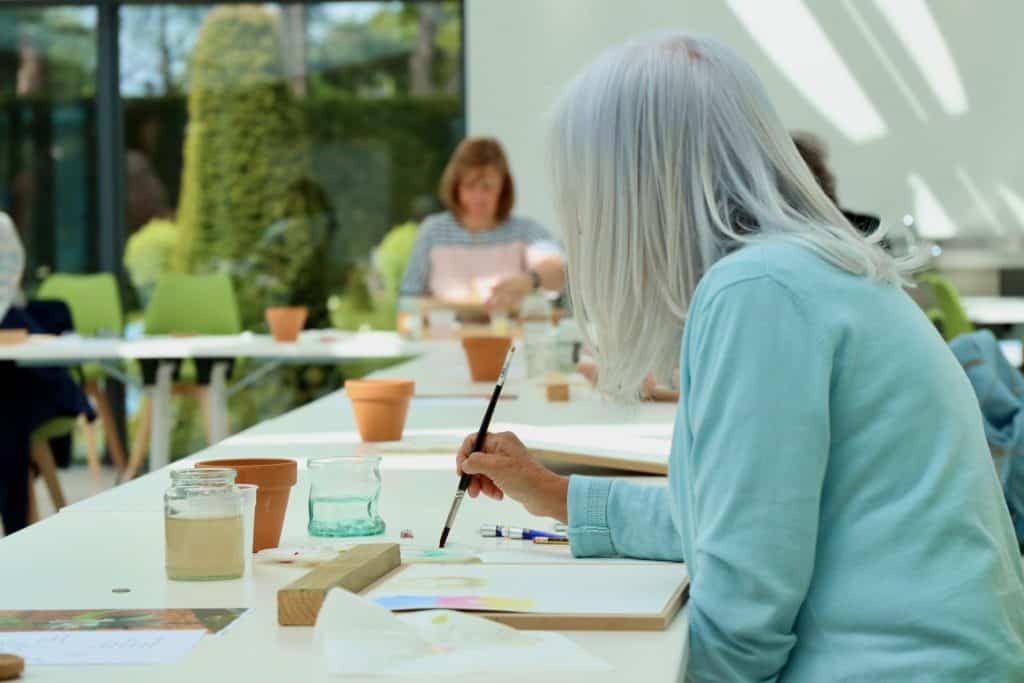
(47, 118)
(283, 141)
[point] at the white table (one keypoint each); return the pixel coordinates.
(312, 347)
(994, 310)
(115, 540)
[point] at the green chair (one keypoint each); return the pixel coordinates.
(95, 305)
(185, 304)
(193, 304)
(43, 461)
(954, 317)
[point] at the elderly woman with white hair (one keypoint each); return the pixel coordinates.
(12, 262)
(830, 487)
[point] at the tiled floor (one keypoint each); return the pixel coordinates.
(77, 484)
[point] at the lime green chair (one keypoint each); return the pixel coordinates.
(95, 305)
(954, 317)
(93, 299)
(186, 304)
(175, 307)
(44, 463)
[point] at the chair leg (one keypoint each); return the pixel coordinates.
(141, 445)
(33, 508)
(92, 454)
(42, 456)
(114, 445)
(204, 406)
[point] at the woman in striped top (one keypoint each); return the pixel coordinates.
(477, 250)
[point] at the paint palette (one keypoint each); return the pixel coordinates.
(464, 603)
(450, 555)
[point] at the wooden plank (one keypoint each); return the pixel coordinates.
(299, 602)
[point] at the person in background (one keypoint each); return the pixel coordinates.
(12, 264)
(477, 250)
(32, 395)
(814, 152)
(830, 487)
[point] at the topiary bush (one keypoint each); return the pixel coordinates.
(242, 207)
(149, 254)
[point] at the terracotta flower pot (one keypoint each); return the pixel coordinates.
(275, 478)
(380, 406)
(485, 356)
(286, 321)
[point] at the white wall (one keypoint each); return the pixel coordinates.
(520, 53)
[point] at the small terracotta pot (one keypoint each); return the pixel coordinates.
(380, 406)
(275, 478)
(286, 321)
(485, 356)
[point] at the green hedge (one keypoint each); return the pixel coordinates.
(244, 208)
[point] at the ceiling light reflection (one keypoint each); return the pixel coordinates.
(811, 63)
(931, 219)
(913, 22)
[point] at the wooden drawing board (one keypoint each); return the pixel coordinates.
(583, 596)
(593, 447)
(596, 447)
(590, 595)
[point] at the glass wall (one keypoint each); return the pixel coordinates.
(281, 142)
(47, 119)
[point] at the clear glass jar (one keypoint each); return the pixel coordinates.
(568, 343)
(343, 496)
(538, 335)
(410, 318)
(204, 525)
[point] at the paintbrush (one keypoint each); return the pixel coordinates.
(478, 446)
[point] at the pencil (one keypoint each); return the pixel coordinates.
(551, 541)
(481, 436)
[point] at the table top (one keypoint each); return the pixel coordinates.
(74, 559)
(312, 345)
(994, 310)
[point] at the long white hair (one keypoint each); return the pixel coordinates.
(666, 156)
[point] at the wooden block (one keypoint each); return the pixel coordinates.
(558, 392)
(299, 602)
(11, 667)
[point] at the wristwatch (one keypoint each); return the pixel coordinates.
(535, 279)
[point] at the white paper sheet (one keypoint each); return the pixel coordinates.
(360, 638)
(39, 648)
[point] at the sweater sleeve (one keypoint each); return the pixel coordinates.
(609, 517)
(758, 411)
(416, 281)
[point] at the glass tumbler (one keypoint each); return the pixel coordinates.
(343, 495)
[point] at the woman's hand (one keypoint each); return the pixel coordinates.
(649, 390)
(505, 467)
(509, 292)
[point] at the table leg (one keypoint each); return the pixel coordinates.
(160, 424)
(218, 393)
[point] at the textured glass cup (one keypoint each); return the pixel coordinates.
(343, 495)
